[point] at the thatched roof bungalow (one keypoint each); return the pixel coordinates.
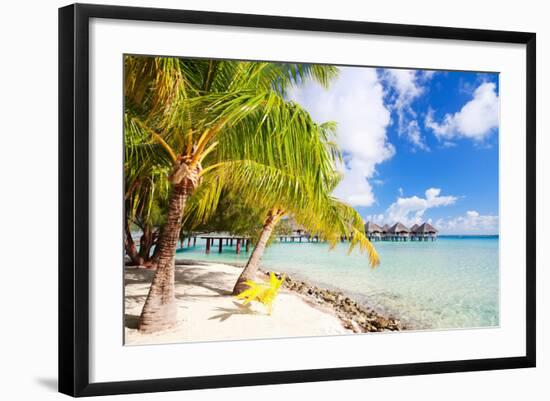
(297, 229)
(426, 228)
(371, 227)
(399, 232)
(373, 230)
(399, 228)
(425, 231)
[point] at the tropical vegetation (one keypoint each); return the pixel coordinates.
(202, 132)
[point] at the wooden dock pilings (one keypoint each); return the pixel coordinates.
(298, 238)
(227, 240)
(239, 241)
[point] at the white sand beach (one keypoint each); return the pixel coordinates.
(208, 312)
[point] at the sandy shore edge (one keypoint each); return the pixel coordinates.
(208, 312)
(354, 315)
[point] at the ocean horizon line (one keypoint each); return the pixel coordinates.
(468, 236)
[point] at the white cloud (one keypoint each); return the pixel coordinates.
(427, 74)
(356, 102)
(475, 120)
(413, 133)
(376, 218)
(411, 210)
(470, 223)
(408, 85)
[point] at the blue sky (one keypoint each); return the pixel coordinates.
(418, 145)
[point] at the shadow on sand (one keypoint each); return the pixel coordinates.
(239, 309)
(220, 283)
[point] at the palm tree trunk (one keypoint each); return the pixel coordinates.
(146, 243)
(130, 246)
(249, 272)
(159, 311)
(153, 261)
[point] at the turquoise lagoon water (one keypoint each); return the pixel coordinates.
(452, 282)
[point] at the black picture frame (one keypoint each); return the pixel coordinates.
(74, 198)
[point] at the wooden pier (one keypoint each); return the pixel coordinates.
(229, 240)
(298, 238)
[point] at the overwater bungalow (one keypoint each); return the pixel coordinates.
(297, 233)
(298, 229)
(413, 228)
(399, 232)
(424, 232)
(373, 231)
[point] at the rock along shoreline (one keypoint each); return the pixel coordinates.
(354, 316)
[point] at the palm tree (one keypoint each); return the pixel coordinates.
(330, 220)
(145, 205)
(201, 118)
(303, 193)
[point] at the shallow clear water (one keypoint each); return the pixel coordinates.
(452, 282)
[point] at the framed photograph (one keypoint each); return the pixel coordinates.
(250, 199)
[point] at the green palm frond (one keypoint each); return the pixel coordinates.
(234, 120)
(262, 185)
